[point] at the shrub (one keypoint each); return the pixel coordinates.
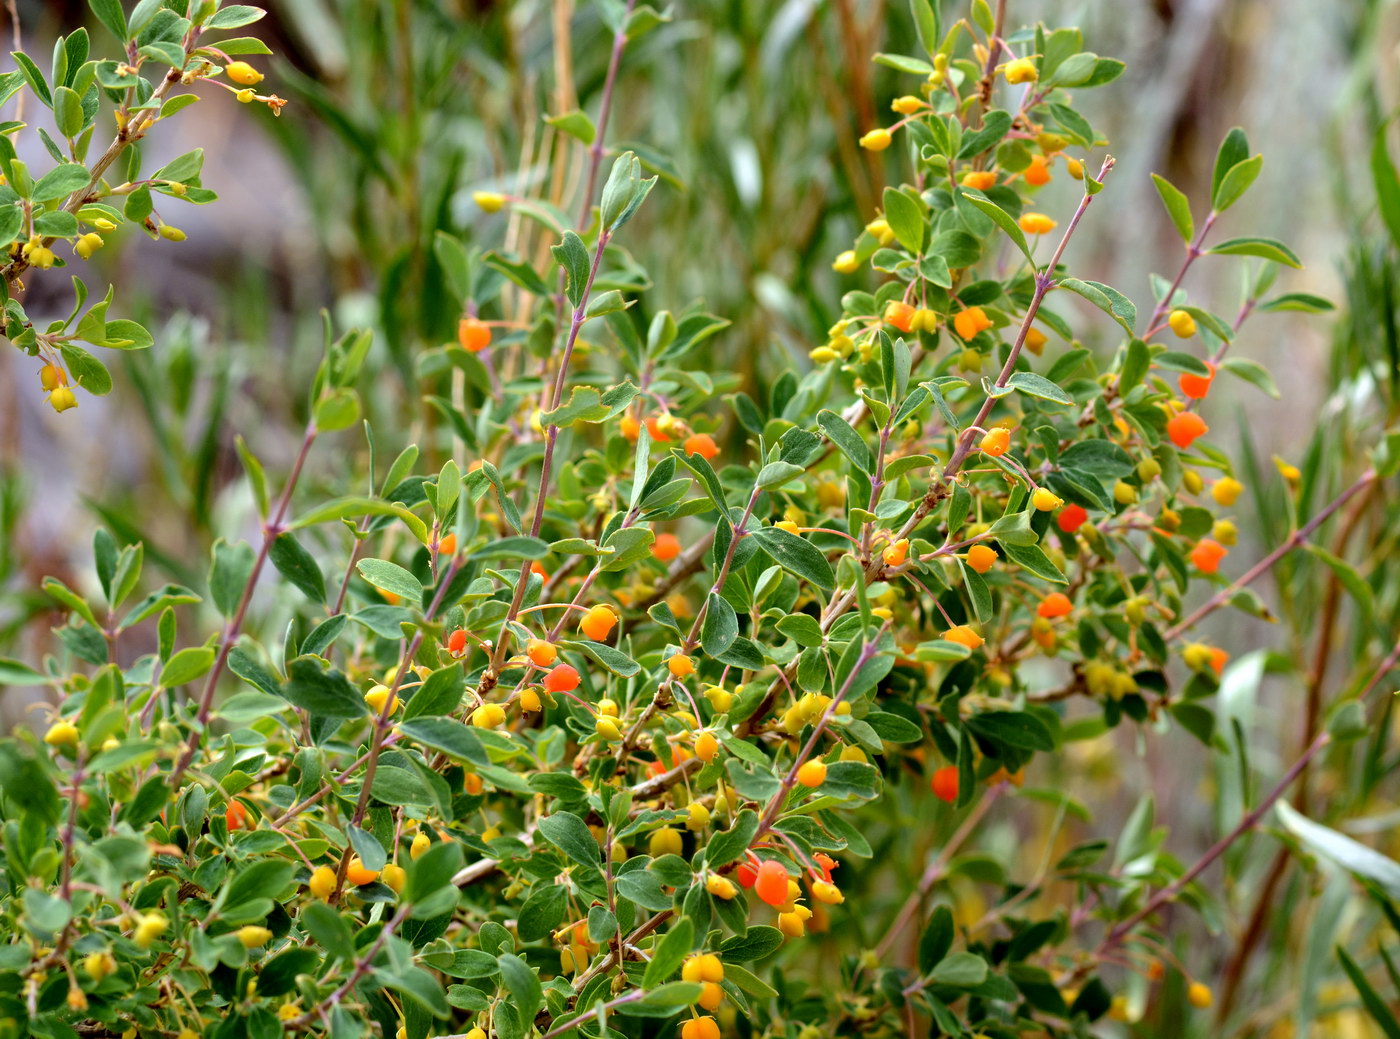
(586, 733)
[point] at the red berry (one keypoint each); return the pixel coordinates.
(561, 679)
(945, 783)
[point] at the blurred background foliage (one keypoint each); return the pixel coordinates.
(750, 110)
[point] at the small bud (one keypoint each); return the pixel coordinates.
(876, 140)
(246, 96)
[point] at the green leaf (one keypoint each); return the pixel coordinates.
(523, 985)
(126, 335)
(337, 410)
(729, 845)
(570, 835)
(1001, 218)
(1351, 855)
(229, 574)
(572, 255)
(1039, 386)
(439, 694)
(60, 182)
(670, 952)
(186, 666)
(961, 970)
(1303, 301)
(87, 371)
(851, 444)
(1254, 373)
(298, 565)
(322, 690)
(111, 15)
(796, 555)
(1268, 248)
(68, 111)
(1234, 149)
(1178, 207)
(586, 404)
(390, 577)
(234, 16)
(775, 474)
(1019, 729)
(14, 672)
(1370, 999)
(906, 219)
(576, 124)
(542, 912)
(721, 626)
(1109, 300)
(1235, 183)
(1387, 183)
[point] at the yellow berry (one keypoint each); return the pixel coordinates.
(876, 140)
(812, 773)
(1045, 499)
(489, 201)
(322, 882)
(171, 233)
(62, 734)
(253, 936)
(846, 263)
(421, 843)
(243, 73)
(395, 876)
(1022, 70)
(1182, 323)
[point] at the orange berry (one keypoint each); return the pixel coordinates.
(1038, 172)
(448, 546)
(978, 180)
(981, 558)
(666, 547)
(474, 335)
(900, 314)
(897, 553)
(1197, 386)
(700, 1028)
(706, 747)
(658, 435)
(1185, 427)
(1056, 604)
(359, 874)
(597, 623)
(537, 568)
(996, 442)
(629, 427)
(812, 773)
(472, 784)
(771, 884)
(963, 636)
(969, 321)
(701, 444)
(680, 665)
(711, 995)
(1207, 554)
(457, 641)
(561, 679)
(236, 816)
(1071, 518)
(541, 653)
(945, 783)
(1218, 659)
(1035, 341)
(1037, 223)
